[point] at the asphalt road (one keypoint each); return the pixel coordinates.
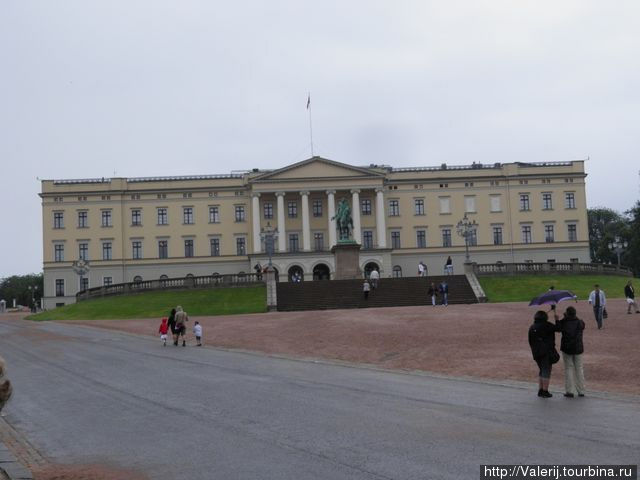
(89, 395)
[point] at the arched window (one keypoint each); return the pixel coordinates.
(163, 277)
(397, 271)
(296, 274)
(137, 279)
(189, 275)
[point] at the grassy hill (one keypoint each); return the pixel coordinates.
(219, 301)
(522, 288)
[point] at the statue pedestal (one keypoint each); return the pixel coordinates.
(347, 257)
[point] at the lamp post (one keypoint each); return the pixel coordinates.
(467, 229)
(33, 291)
(268, 235)
(618, 246)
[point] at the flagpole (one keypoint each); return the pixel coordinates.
(310, 125)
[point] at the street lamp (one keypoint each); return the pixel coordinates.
(268, 236)
(33, 291)
(467, 229)
(618, 246)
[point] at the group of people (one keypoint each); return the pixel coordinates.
(448, 267)
(442, 290)
(370, 283)
(177, 323)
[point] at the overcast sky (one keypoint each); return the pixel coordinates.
(140, 88)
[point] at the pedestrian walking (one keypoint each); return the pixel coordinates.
(172, 326)
(572, 348)
(422, 269)
(374, 276)
(181, 326)
(164, 328)
(448, 266)
(197, 331)
(542, 340)
(443, 289)
(598, 301)
(630, 295)
(433, 293)
(366, 288)
(5, 385)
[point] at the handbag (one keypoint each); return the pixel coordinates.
(604, 313)
(554, 356)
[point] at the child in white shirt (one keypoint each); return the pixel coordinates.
(197, 331)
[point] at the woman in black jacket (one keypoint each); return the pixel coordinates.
(572, 348)
(542, 340)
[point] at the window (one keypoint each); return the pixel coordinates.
(419, 206)
(572, 231)
(240, 213)
(188, 248)
(548, 233)
(526, 234)
(187, 215)
(470, 204)
(107, 251)
(83, 251)
(318, 242)
(106, 218)
(136, 249)
(317, 208)
(495, 203)
(136, 217)
(473, 238)
(367, 239)
(83, 219)
(497, 235)
(421, 239)
(214, 215)
(524, 202)
(445, 205)
(395, 239)
(84, 283)
(446, 237)
(365, 206)
(394, 208)
(215, 247)
(268, 210)
(396, 271)
(163, 217)
(546, 201)
(569, 200)
(293, 242)
(137, 279)
(58, 220)
(292, 209)
(241, 247)
(106, 281)
(58, 253)
(59, 287)
(163, 249)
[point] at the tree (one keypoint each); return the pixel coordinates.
(631, 257)
(605, 225)
(17, 286)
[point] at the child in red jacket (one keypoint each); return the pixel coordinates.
(164, 328)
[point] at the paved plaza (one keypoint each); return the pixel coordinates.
(98, 396)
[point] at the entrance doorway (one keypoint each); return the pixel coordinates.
(369, 267)
(321, 272)
(295, 274)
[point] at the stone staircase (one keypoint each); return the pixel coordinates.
(391, 292)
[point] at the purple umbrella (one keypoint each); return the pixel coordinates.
(552, 297)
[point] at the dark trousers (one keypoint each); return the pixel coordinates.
(597, 312)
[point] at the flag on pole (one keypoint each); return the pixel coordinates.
(308, 101)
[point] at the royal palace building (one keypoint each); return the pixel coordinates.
(133, 229)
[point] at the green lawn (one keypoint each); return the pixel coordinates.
(520, 288)
(219, 301)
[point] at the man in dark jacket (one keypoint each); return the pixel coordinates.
(542, 340)
(572, 349)
(631, 297)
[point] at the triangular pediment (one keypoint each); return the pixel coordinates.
(317, 168)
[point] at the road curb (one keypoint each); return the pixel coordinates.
(11, 467)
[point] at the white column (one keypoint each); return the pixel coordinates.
(306, 229)
(282, 232)
(355, 214)
(255, 218)
(331, 207)
(381, 226)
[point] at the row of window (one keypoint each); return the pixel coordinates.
(318, 242)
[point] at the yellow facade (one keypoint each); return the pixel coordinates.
(401, 217)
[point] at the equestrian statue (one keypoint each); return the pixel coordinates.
(344, 222)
